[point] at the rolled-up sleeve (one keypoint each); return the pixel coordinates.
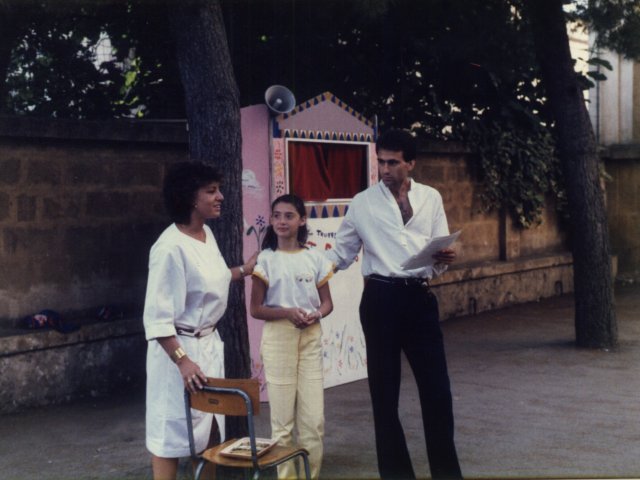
(347, 243)
(166, 293)
(324, 269)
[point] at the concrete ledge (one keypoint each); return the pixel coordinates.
(156, 131)
(40, 368)
(622, 152)
(471, 289)
(18, 341)
(46, 367)
(492, 269)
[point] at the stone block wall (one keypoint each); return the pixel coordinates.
(79, 209)
(622, 163)
(498, 264)
(486, 236)
(80, 206)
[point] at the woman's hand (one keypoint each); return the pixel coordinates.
(241, 271)
(251, 263)
(192, 377)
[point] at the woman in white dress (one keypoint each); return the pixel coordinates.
(186, 296)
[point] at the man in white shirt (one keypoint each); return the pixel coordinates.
(393, 220)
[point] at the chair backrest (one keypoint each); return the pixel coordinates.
(221, 396)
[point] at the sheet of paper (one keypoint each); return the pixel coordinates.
(424, 258)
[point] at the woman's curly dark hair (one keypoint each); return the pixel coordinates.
(182, 182)
(271, 239)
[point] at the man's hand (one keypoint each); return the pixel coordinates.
(446, 256)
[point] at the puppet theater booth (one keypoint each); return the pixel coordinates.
(324, 152)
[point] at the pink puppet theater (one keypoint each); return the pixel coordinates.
(323, 151)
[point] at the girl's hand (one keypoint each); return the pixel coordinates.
(297, 316)
(313, 317)
(193, 378)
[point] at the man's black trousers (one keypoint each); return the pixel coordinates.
(405, 318)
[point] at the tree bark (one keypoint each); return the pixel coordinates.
(595, 319)
(213, 116)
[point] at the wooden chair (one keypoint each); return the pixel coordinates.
(238, 397)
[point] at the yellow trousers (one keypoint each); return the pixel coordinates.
(292, 359)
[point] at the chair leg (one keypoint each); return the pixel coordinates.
(199, 468)
(307, 469)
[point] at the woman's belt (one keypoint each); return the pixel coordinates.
(196, 332)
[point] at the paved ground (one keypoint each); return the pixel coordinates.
(528, 404)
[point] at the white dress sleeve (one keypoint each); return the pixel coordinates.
(166, 293)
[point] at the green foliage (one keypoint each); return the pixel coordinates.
(465, 70)
(52, 72)
(617, 23)
(448, 69)
(519, 169)
(55, 69)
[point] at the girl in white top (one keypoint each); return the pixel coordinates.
(186, 295)
(291, 292)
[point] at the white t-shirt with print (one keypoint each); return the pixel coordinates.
(293, 277)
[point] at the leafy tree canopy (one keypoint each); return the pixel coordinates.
(617, 24)
(448, 69)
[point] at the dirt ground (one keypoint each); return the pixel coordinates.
(527, 403)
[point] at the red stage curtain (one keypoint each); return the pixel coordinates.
(320, 171)
(308, 171)
(346, 166)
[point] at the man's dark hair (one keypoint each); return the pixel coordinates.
(181, 184)
(398, 140)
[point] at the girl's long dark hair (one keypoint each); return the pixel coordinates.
(270, 238)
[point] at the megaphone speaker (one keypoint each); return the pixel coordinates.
(279, 99)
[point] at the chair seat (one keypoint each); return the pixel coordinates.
(274, 455)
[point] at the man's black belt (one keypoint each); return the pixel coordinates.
(400, 281)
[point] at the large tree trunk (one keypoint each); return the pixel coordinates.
(213, 116)
(595, 318)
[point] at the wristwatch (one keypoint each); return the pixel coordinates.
(177, 354)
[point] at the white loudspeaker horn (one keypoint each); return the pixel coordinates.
(279, 99)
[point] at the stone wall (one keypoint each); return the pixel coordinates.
(80, 206)
(499, 264)
(486, 236)
(46, 367)
(622, 163)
